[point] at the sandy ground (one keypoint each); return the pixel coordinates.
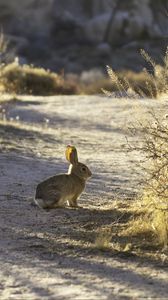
(52, 254)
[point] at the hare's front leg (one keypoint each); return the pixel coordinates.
(73, 202)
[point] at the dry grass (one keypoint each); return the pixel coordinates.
(150, 227)
(160, 73)
(142, 233)
(130, 84)
(149, 224)
(127, 80)
(28, 79)
(16, 79)
(103, 239)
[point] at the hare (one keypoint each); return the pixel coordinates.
(57, 190)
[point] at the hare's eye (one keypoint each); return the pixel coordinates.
(83, 169)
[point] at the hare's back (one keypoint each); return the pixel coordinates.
(56, 183)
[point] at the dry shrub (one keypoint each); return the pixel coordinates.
(156, 196)
(155, 147)
(28, 79)
(153, 221)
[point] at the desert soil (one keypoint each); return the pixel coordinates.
(53, 254)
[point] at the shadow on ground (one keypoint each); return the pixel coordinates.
(51, 239)
(61, 243)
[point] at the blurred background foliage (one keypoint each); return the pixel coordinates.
(78, 38)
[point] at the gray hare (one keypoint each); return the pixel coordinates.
(59, 189)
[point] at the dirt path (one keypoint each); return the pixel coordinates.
(52, 255)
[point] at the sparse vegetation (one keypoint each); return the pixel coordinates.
(126, 82)
(28, 79)
(3, 47)
(147, 227)
(129, 84)
(155, 198)
(103, 239)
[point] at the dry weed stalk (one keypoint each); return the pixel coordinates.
(124, 88)
(155, 81)
(3, 52)
(3, 44)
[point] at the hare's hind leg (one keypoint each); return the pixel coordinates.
(48, 201)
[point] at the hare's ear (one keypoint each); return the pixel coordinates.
(71, 154)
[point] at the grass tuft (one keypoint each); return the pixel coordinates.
(103, 239)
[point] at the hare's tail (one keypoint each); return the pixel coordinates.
(48, 203)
